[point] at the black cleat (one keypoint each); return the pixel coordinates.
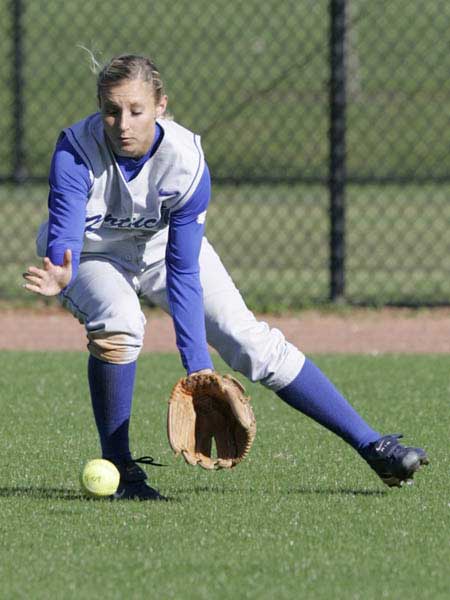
(394, 464)
(132, 484)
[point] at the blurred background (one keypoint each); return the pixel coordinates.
(325, 124)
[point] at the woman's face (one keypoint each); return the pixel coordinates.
(129, 112)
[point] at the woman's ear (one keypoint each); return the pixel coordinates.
(161, 106)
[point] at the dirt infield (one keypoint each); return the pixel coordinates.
(352, 331)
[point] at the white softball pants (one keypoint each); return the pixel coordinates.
(105, 298)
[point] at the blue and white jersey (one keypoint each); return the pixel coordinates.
(117, 208)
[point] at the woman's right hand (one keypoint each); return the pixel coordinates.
(50, 279)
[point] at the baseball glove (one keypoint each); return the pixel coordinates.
(204, 406)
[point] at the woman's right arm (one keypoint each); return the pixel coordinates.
(70, 184)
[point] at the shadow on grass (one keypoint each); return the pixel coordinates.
(337, 491)
(299, 490)
(41, 493)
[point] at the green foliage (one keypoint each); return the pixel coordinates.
(303, 517)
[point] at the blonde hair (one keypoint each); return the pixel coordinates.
(126, 66)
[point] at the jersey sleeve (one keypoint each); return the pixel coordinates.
(184, 290)
(70, 183)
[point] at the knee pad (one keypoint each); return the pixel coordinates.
(117, 348)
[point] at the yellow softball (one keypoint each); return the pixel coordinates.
(99, 478)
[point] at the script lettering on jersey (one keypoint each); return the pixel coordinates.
(96, 221)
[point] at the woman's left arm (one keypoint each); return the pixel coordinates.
(184, 290)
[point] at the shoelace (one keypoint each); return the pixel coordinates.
(147, 460)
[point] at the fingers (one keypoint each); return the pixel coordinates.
(33, 279)
(67, 257)
(37, 281)
(34, 282)
(50, 279)
(202, 372)
(35, 271)
(32, 288)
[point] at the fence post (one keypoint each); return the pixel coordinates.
(337, 166)
(19, 168)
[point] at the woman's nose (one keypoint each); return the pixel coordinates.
(124, 122)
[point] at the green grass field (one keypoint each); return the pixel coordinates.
(303, 517)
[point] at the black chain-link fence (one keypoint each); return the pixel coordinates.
(324, 122)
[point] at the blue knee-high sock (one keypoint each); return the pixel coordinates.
(315, 396)
(111, 389)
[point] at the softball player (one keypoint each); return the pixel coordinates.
(129, 192)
